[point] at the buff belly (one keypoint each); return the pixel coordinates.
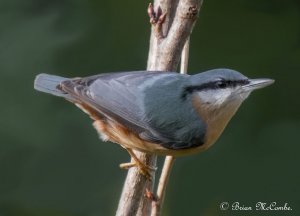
(114, 132)
(110, 130)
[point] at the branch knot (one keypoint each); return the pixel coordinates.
(157, 18)
(192, 12)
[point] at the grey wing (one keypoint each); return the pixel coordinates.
(118, 96)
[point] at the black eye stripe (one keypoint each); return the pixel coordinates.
(220, 84)
(229, 83)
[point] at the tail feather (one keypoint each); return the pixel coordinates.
(48, 84)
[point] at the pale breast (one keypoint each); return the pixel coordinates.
(215, 119)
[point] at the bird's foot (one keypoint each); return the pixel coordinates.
(143, 168)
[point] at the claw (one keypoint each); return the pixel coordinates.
(143, 168)
(127, 165)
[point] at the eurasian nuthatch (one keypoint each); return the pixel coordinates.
(163, 113)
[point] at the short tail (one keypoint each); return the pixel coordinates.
(49, 83)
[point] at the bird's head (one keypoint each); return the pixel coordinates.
(217, 94)
(223, 88)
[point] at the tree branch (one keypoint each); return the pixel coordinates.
(162, 185)
(164, 55)
(169, 160)
(185, 57)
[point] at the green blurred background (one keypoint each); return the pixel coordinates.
(51, 160)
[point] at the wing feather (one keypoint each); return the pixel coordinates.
(116, 95)
(148, 103)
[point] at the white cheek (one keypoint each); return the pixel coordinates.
(215, 97)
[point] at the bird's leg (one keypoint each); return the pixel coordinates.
(144, 169)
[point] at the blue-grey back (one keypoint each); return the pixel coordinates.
(151, 104)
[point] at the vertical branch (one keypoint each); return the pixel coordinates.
(185, 57)
(133, 200)
(169, 32)
(162, 185)
(169, 160)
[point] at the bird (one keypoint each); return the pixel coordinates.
(156, 112)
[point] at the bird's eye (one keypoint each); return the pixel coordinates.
(221, 84)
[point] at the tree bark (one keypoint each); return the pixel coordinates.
(166, 43)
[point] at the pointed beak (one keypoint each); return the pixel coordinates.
(257, 84)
